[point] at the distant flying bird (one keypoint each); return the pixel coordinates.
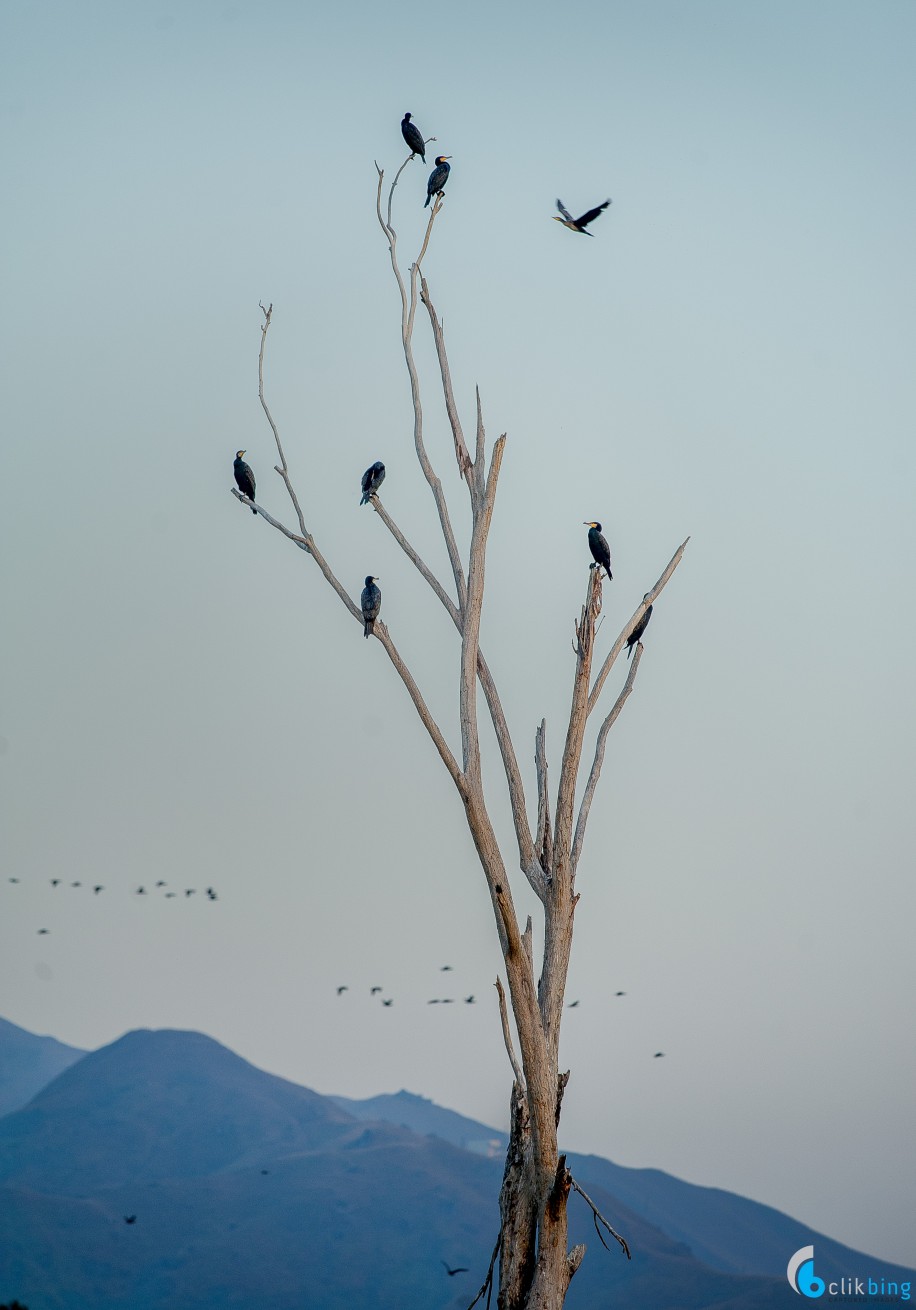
(433, 1002)
(572, 1005)
(244, 477)
(388, 1002)
(371, 602)
(42, 932)
(14, 879)
(448, 1000)
(446, 968)
(265, 1171)
(437, 178)
(414, 137)
(638, 631)
(98, 888)
(342, 989)
(373, 990)
(189, 891)
(372, 479)
(620, 993)
(211, 894)
(601, 551)
(469, 1000)
(169, 895)
(141, 891)
(130, 1218)
(579, 224)
(161, 883)
(658, 1055)
(452, 1272)
(76, 884)
(55, 882)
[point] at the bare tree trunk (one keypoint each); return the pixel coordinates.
(535, 1263)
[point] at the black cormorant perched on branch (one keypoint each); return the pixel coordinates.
(244, 477)
(579, 224)
(437, 178)
(414, 137)
(371, 603)
(638, 631)
(372, 480)
(601, 551)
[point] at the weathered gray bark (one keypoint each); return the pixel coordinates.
(536, 1265)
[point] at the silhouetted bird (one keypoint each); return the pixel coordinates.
(98, 888)
(371, 602)
(572, 1005)
(76, 884)
(448, 1000)
(389, 1002)
(43, 932)
(433, 1002)
(55, 882)
(638, 631)
(211, 894)
(620, 993)
(341, 990)
(130, 1218)
(169, 895)
(446, 968)
(189, 891)
(414, 137)
(244, 477)
(469, 1000)
(141, 891)
(658, 1055)
(579, 224)
(265, 1171)
(452, 1272)
(14, 879)
(373, 478)
(373, 990)
(601, 551)
(161, 883)
(437, 178)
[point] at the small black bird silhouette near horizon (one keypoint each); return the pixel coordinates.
(601, 551)
(244, 478)
(372, 479)
(413, 136)
(130, 1218)
(371, 604)
(452, 1272)
(437, 178)
(581, 223)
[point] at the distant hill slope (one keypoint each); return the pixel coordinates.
(28, 1063)
(724, 1231)
(251, 1191)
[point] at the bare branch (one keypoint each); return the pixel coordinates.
(543, 841)
(596, 1215)
(488, 1281)
(417, 561)
(618, 646)
(301, 542)
(572, 751)
(284, 469)
(451, 409)
(429, 723)
(588, 796)
(507, 1035)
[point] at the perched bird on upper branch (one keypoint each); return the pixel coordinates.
(437, 178)
(579, 224)
(638, 631)
(371, 603)
(601, 551)
(244, 477)
(372, 480)
(414, 137)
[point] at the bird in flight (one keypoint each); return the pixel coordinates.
(130, 1218)
(371, 603)
(620, 993)
(189, 891)
(14, 879)
(373, 990)
(390, 1001)
(76, 884)
(658, 1055)
(579, 224)
(372, 479)
(572, 1005)
(446, 968)
(343, 988)
(637, 632)
(414, 137)
(244, 477)
(452, 1272)
(469, 1000)
(437, 178)
(98, 888)
(43, 932)
(601, 551)
(55, 882)
(161, 883)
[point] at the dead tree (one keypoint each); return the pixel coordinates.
(535, 1262)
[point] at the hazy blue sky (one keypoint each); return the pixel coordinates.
(731, 357)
